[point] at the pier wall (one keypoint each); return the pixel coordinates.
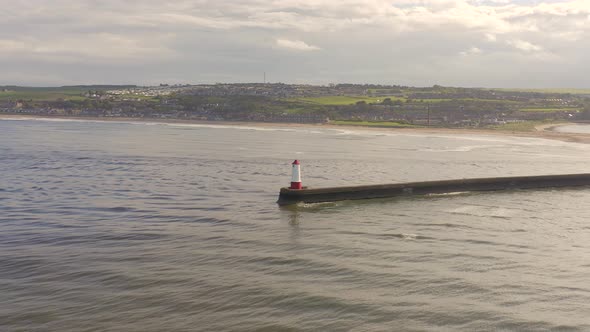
(317, 195)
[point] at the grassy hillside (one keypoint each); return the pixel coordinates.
(343, 100)
(555, 90)
(49, 93)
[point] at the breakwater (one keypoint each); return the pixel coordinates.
(317, 195)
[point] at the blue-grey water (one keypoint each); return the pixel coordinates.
(144, 227)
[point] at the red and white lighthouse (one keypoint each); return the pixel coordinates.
(296, 177)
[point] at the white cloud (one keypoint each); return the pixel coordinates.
(524, 45)
(296, 45)
(11, 46)
(381, 39)
(472, 51)
(91, 47)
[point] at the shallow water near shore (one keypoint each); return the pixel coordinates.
(174, 227)
(574, 128)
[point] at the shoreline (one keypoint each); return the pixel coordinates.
(546, 131)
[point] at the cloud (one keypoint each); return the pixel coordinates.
(524, 45)
(11, 46)
(391, 41)
(296, 45)
(92, 47)
(472, 51)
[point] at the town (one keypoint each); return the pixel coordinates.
(351, 104)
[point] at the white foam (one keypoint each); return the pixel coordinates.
(455, 193)
(483, 211)
(505, 141)
(169, 124)
(215, 126)
(47, 119)
(407, 236)
(465, 148)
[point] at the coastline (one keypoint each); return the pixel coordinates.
(542, 131)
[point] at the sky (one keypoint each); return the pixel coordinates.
(469, 43)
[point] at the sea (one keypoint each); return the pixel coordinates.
(140, 226)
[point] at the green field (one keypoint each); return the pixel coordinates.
(48, 93)
(489, 101)
(380, 124)
(520, 126)
(349, 100)
(41, 95)
(300, 110)
(343, 100)
(549, 110)
(555, 90)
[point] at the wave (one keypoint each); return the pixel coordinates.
(265, 127)
(26, 118)
(466, 148)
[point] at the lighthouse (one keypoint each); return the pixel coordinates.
(296, 177)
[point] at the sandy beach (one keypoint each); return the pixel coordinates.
(542, 131)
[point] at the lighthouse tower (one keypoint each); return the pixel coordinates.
(296, 177)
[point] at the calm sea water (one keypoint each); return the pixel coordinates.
(147, 227)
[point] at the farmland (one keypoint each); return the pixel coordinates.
(345, 104)
(344, 100)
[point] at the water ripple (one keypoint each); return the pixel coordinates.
(152, 228)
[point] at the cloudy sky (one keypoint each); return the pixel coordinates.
(476, 43)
